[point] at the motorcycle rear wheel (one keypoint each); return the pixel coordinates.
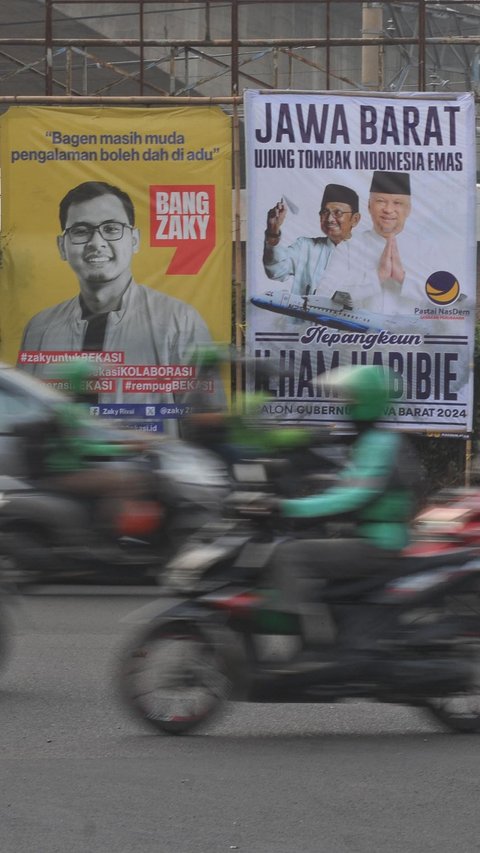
(5, 635)
(461, 712)
(173, 677)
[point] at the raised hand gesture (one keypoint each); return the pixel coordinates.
(275, 219)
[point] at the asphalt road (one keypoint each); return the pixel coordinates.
(80, 775)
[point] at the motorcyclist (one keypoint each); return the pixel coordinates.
(72, 455)
(241, 432)
(376, 492)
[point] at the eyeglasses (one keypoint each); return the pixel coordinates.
(82, 232)
(337, 213)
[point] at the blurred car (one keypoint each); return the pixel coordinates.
(192, 485)
(25, 400)
(22, 400)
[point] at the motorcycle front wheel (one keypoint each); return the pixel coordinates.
(173, 677)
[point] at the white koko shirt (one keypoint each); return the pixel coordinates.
(306, 260)
(353, 268)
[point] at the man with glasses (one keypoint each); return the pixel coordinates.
(306, 259)
(112, 312)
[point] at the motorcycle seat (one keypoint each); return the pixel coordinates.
(351, 587)
(347, 588)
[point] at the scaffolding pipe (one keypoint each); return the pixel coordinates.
(69, 71)
(182, 100)
(334, 41)
(141, 100)
(142, 46)
(433, 3)
(328, 24)
(234, 57)
(372, 24)
(422, 42)
(48, 41)
(237, 248)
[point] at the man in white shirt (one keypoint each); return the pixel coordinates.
(112, 313)
(307, 257)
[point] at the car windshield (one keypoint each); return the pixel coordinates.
(24, 383)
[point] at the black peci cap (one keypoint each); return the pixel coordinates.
(395, 183)
(339, 193)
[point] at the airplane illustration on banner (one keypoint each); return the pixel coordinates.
(336, 312)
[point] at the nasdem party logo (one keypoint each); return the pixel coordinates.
(442, 288)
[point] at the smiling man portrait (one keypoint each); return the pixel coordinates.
(112, 312)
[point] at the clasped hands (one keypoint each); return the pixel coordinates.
(390, 266)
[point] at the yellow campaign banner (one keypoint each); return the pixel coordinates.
(116, 247)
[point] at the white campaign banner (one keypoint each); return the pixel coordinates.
(361, 249)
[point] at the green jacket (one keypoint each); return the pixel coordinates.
(245, 429)
(77, 442)
(377, 490)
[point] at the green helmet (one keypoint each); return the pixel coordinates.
(212, 355)
(77, 373)
(366, 387)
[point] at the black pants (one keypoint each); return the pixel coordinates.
(299, 571)
(301, 567)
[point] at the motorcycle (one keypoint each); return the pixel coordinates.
(48, 536)
(227, 639)
(301, 469)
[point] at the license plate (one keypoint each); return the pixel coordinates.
(250, 472)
